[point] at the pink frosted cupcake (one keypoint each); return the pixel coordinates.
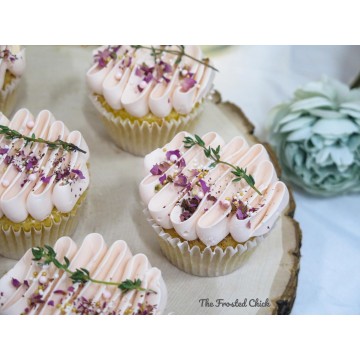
(12, 67)
(90, 280)
(211, 202)
(43, 181)
(145, 95)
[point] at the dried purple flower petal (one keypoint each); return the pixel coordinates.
(185, 215)
(138, 72)
(159, 169)
(31, 162)
(148, 77)
(181, 180)
(204, 187)
(187, 84)
(248, 224)
(240, 215)
(51, 303)
(195, 172)
(103, 57)
(167, 68)
(8, 159)
(181, 163)
(26, 283)
(78, 173)
(71, 289)
(162, 179)
(173, 152)
(15, 282)
(3, 151)
(46, 179)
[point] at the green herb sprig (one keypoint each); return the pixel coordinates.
(48, 255)
(156, 52)
(214, 154)
(11, 134)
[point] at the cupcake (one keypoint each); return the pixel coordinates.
(43, 181)
(147, 94)
(211, 203)
(90, 280)
(12, 66)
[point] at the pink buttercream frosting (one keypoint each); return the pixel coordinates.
(33, 288)
(133, 80)
(35, 178)
(199, 201)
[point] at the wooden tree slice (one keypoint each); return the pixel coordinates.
(284, 284)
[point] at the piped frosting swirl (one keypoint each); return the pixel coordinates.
(134, 80)
(12, 59)
(182, 191)
(34, 178)
(30, 288)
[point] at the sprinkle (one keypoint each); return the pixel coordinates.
(32, 177)
(200, 195)
(118, 75)
(30, 124)
(43, 279)
(142, 85)
(225, 204)
(106, 294)
(173, 158)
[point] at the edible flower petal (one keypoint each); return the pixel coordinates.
(187, 84)
(181, 180)
(78, 173)
(204, 187)
(15, 282)
(173, 152)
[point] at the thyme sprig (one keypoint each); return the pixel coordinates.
(156, 52)
(11, 134)
(48, 255)
(214, 154)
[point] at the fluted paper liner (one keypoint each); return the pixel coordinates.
(202, 263)
(141, 137)
(15, 240)
(8, 96)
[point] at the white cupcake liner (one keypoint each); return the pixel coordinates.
(8, 96)
(15, 240)
(207, 263)
(141, 137)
